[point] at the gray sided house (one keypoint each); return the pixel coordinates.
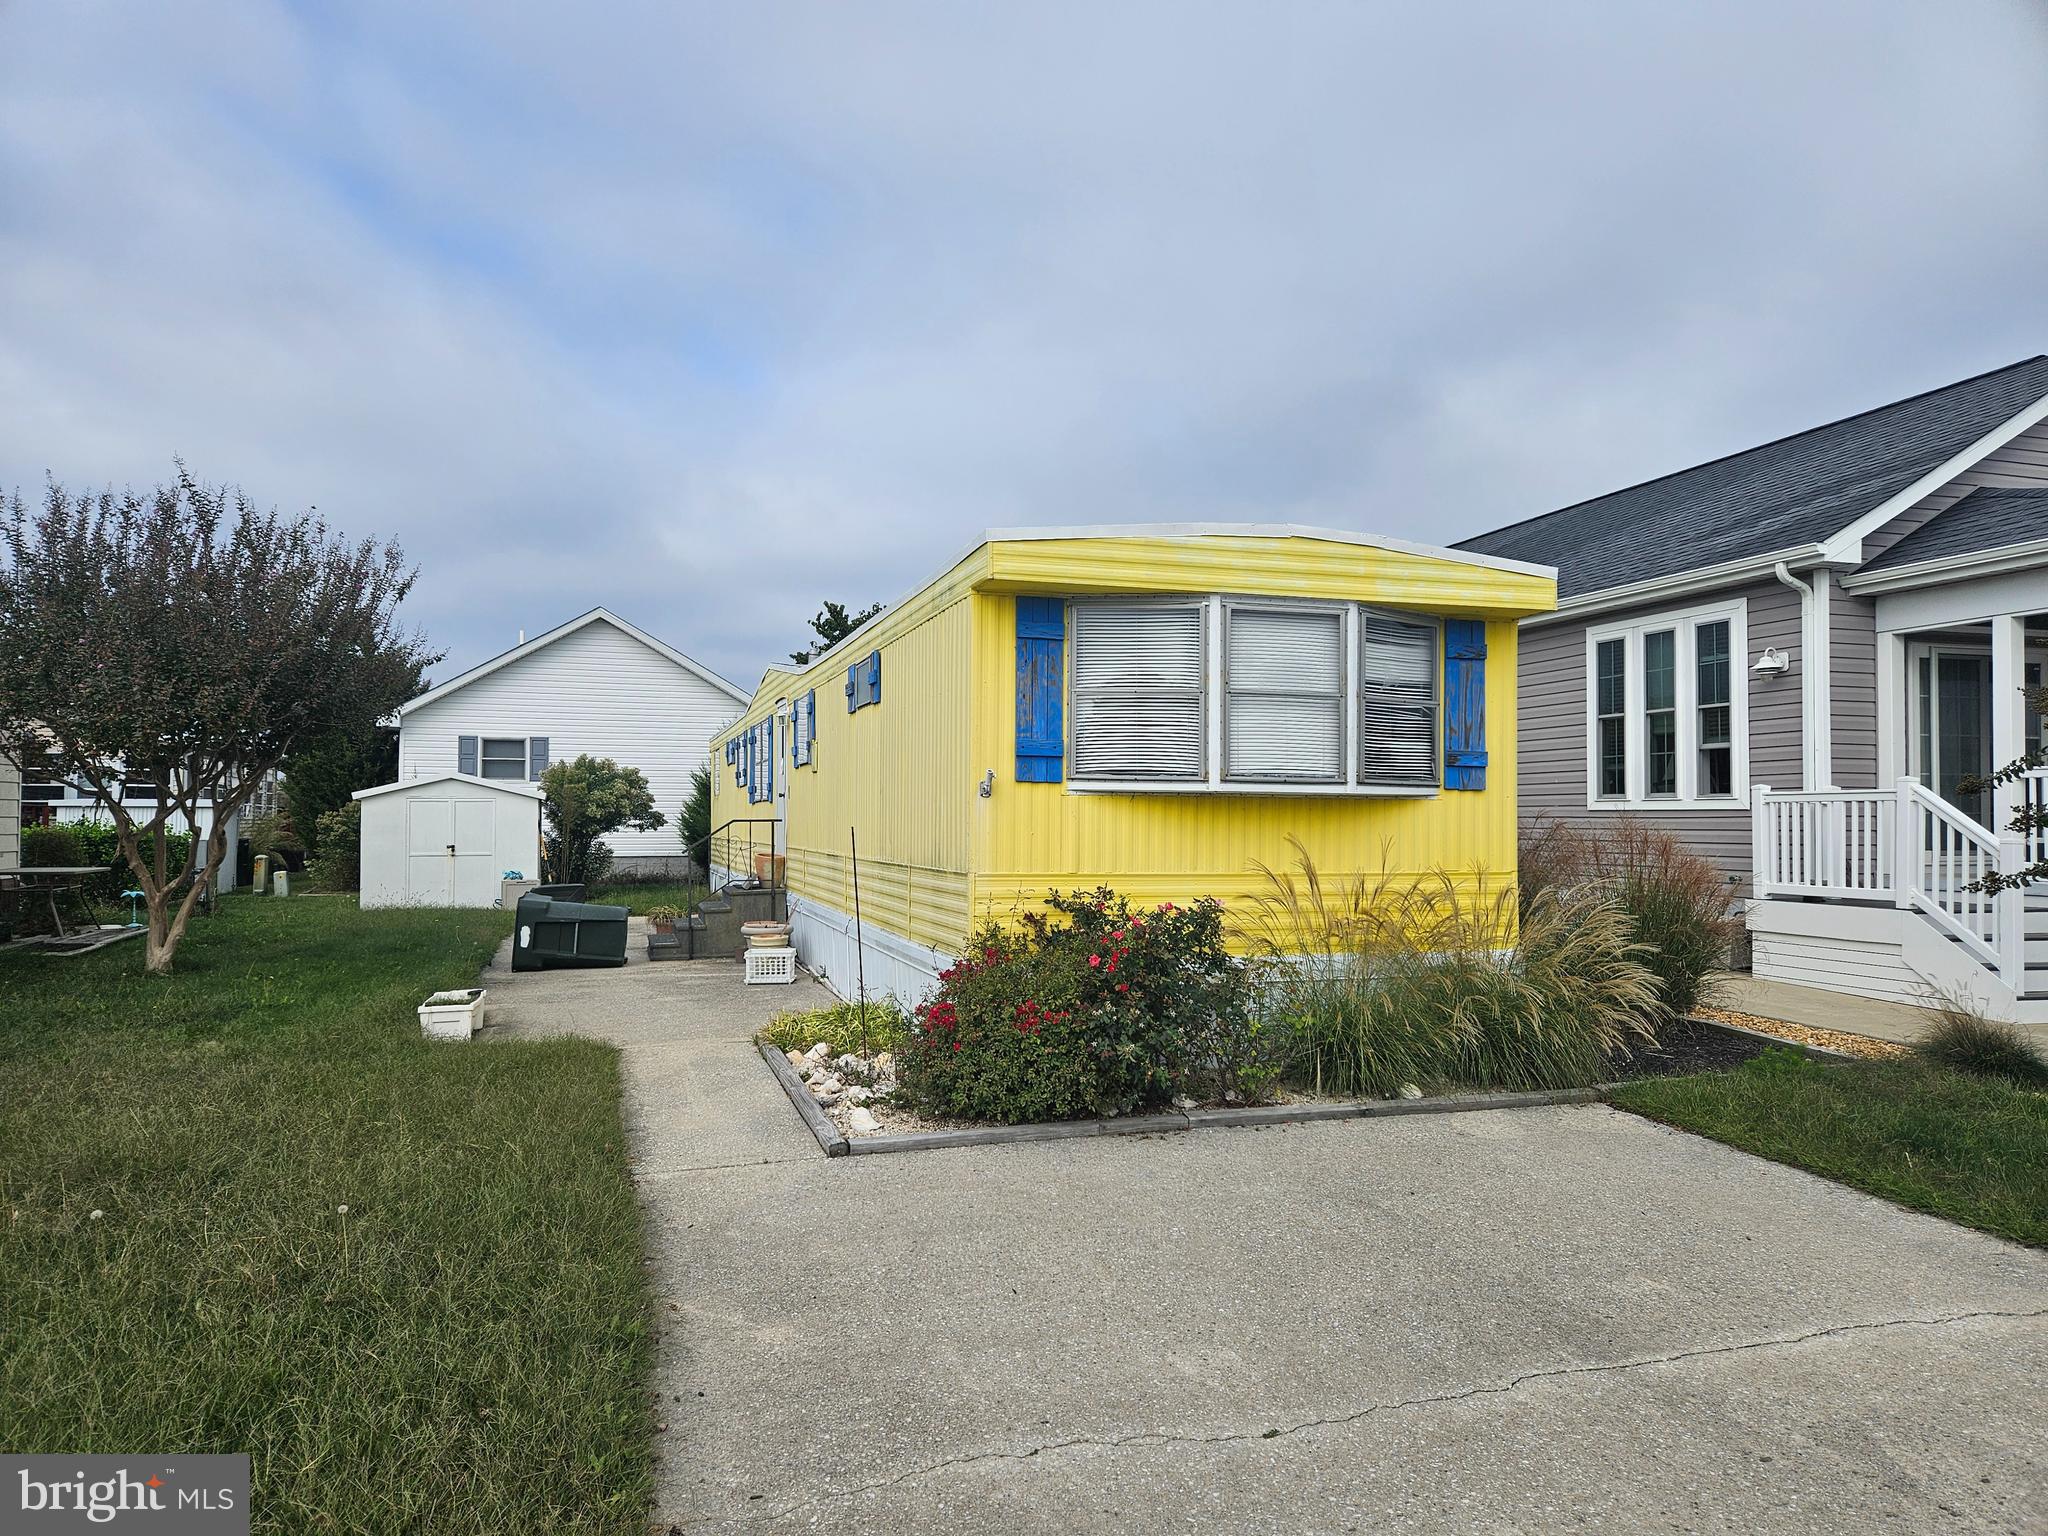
(1794, 657)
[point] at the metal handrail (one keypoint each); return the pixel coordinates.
(775, 880)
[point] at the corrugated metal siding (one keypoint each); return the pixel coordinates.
(1852, 690)
(1553, 743)
(1175, 847)
(897, 771)
(597, 691)
(2023, 461)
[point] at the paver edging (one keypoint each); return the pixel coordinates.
(835, 1143)
(830, 1137)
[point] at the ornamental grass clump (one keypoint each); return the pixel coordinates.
(1445, 983)
(1088, 1008)
(1959, 1036)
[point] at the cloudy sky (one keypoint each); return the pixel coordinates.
(705, 312)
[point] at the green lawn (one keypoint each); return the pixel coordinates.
(463, 1350)
(1972, 1149)
(637, 898)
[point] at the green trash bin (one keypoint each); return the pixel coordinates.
(551, 934)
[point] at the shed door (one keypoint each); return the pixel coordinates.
(429, 852)
(476, 869)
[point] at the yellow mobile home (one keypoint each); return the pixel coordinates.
(1154, 708)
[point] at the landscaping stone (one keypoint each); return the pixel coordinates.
(1410, 1091)
(819, 1052)
(863, 1121)
(858, 1095)
(796, 1058)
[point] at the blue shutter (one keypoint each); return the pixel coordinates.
(1464, 704)
(465, 754)
(536, 756)
(875, 678)
(811, 727)
(1041, 673)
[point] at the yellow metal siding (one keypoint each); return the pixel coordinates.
(936, 857)
(1267, 567)
(1175, 847)
(896, 771)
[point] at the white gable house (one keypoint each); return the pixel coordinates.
(596, 685)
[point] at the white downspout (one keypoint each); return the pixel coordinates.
(1816, 727)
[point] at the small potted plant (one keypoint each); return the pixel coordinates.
(664, 918)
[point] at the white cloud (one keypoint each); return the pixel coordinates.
(708, 313)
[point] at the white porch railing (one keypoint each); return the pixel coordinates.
(2034, 797)
(1907, 846)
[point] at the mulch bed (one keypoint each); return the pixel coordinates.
(1684, 1047)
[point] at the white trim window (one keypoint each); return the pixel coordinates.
(1399, 667)
(1283, 700)
(1667, 710)
(1252, 695)
(501, 757)
(1140, 669)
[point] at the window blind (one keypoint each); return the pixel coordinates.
(1138, 701)
(1397, 700)
(1284, 701)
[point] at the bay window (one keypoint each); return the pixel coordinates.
(1252, 695)
(1666, 717)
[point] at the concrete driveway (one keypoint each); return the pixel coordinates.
(1533, 1320)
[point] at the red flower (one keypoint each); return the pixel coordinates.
(1123, 986)
(1097, 960)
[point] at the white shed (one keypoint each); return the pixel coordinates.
(447, 840)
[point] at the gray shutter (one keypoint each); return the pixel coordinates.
(1396, 700)
(1284, 709)
(465, 754)
(536, 756)
(1138, 704)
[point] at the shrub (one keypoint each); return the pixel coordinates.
(1677, 902)
(338, 866)
(1964, 1040)
(839, 1026)
(1441, 982)
(95, 842)
(693, 825)
(1088, 1008)
(583, 801)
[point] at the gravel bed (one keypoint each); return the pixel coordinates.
(1830, 1039)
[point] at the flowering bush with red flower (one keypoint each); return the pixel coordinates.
(1089, 1008)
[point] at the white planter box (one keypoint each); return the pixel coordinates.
(452, 1015)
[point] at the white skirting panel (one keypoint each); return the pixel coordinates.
(1886, 953)
(895, 966)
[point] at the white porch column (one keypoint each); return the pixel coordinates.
(1891, 707)
(2008, 740)
(2008, 711)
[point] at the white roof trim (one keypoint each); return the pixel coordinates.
(1264, 531)
(1679, 584)
(509, 786)
(1847, 545)
(1926, 573)
(505, 659)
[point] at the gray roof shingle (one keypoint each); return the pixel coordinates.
(1797, 490)
(1987, 518)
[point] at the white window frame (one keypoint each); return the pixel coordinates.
(525, 757)
(1685, 623)
(1347, 683)
(1215, 634)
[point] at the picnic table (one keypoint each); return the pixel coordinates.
(52, 881)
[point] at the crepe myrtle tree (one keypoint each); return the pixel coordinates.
(184, 638)
(2031, 818)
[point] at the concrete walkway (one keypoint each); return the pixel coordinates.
(1517, 1321)
(1818, 1008)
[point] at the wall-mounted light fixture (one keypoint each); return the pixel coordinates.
(1773, 661)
